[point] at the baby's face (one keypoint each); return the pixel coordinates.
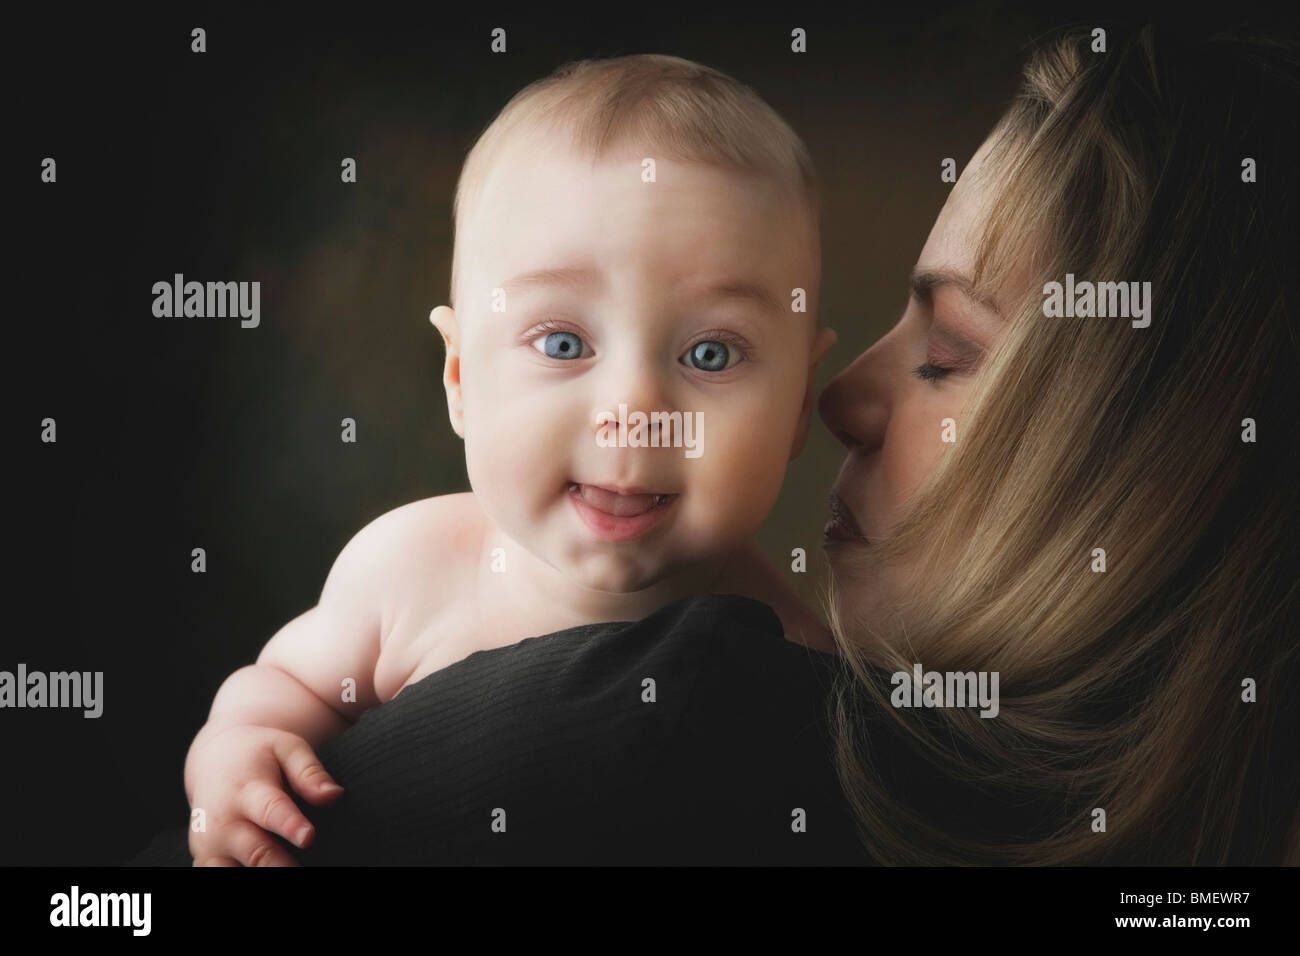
(585, 288)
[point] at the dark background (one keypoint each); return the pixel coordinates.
(178, 433)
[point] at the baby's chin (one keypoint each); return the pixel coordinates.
(633, 566)
(616, 576)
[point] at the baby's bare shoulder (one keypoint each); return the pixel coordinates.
(429, 528)
(427, 542)
(411, 567)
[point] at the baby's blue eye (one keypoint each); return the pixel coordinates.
(710, 356)
(560, 345)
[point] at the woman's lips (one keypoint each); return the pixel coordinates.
(842, 526)
(617, 516)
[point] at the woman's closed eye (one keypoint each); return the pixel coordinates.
(929, 372)
(947, 352)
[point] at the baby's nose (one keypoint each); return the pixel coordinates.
(635, 389)
(620, 416)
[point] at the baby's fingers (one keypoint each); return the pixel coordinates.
(252, 846)
(304, 771)
(272, 810)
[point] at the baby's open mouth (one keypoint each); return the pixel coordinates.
(620, 504)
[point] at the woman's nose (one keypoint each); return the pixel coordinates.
(855, 404)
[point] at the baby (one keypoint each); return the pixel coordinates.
(630, 351)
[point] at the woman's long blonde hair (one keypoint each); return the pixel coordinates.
(1126, 690)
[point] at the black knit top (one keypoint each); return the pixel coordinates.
(694, 736)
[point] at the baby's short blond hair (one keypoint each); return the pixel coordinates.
(684, 110)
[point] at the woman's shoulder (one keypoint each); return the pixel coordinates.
(744, 633)
(694, 646)
(692, 668)
(693, 735)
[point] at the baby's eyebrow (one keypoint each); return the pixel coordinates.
(745, 290)
(573, 276)
(578, 277)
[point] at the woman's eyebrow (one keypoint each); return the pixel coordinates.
(925, 281)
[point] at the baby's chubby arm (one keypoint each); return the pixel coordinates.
(270, 716)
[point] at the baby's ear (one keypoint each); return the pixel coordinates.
(444, 320)
(825, 338)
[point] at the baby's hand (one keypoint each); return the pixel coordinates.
(239, 785)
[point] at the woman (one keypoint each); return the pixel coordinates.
(1125, 677)
(1109, 529)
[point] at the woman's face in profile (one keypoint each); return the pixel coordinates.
(888, 407)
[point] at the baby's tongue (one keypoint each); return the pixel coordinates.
(621, 506)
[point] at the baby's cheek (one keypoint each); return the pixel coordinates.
(494, 467)
(738, 479)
